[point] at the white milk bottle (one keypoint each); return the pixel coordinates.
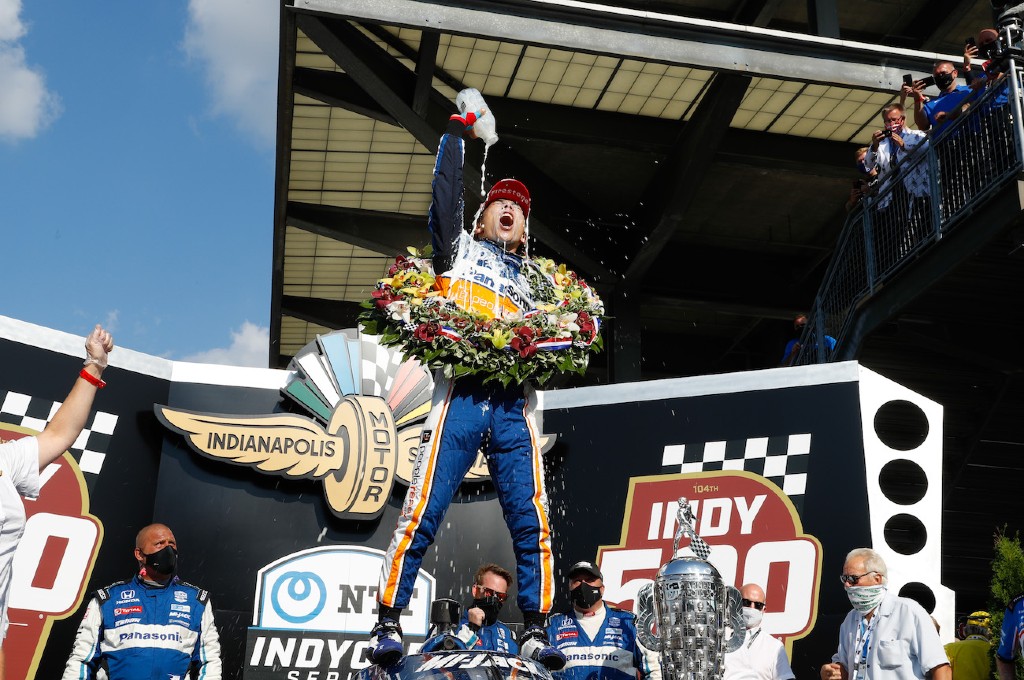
(470, 99)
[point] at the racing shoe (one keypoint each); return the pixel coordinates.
(385, 648)
(534, 645)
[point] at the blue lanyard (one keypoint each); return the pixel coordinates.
(863, 644)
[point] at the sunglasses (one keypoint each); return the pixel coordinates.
(851, 579)
(750, 603)
(493, 593)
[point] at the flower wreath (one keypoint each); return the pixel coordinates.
(408, 309)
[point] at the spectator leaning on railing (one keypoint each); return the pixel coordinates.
(864, 185)
(951, 96)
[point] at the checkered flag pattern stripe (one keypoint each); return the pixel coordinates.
(89, 450)
(783, 460)
(378, 365)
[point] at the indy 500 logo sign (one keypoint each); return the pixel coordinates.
(755, 535)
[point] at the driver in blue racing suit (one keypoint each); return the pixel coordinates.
(151, 626)
(483, 273)
(1010, 637)
(480, 628)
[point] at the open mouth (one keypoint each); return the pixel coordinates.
(506, 221)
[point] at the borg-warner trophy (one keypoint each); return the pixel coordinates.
(693, 610)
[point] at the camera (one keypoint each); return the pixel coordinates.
(886, 132)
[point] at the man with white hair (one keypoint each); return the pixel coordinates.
(884, 636)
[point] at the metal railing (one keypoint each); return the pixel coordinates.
(928, 194)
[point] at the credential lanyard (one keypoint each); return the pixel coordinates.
(863, 644)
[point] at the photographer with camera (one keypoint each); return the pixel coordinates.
(951, 96)
(903, 195)
(864, 186)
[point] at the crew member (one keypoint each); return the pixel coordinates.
(969, 657)
(1010, 637)
(599, 641)
(150, 626)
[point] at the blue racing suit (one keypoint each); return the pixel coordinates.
(1012, 633)
(613, 654)
(137, 631)
(489, 280)
(494, 638)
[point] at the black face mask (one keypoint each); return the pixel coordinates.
(943, 80)
(585, 596)
(163, 561)
(491, 606)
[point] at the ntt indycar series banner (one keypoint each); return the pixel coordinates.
(314, 611)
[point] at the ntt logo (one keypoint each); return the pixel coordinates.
(136, 635)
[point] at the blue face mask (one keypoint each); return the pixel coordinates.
(863, 167)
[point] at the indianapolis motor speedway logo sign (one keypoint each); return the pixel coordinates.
(365, 408)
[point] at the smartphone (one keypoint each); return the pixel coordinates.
(929, 81)
(908, 79)
(969, 42)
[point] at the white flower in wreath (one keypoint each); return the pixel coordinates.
(568, 322)
(400, 311)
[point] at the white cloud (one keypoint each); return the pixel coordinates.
(236, 43)
(250, 346)
(26, 106)
(111, 321)
(11, 28)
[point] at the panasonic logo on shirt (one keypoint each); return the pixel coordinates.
(138, 635)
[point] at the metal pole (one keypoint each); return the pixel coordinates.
(1015, 104)
(933, 188)
(869, 245)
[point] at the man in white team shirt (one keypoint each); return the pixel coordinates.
(21, 460)
(760, 657)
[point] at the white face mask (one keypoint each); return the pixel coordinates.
(865, 598)
(752, 617)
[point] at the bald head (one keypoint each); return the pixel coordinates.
(145, 533)
(753, 592)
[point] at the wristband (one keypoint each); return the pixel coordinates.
(91, 379)
(102, 363)
(468, 120)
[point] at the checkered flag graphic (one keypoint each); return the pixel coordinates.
(783, 460)
(89, 450)
(378, 365)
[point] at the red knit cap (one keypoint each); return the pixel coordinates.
(512, 190)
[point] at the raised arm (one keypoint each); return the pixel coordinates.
(446, 200)
(67, 423)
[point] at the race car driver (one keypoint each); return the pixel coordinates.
(151, 626)
(485, 273)
(479, 627)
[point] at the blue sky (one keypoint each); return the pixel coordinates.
(137, 171)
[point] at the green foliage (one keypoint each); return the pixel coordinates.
(1007, 581)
